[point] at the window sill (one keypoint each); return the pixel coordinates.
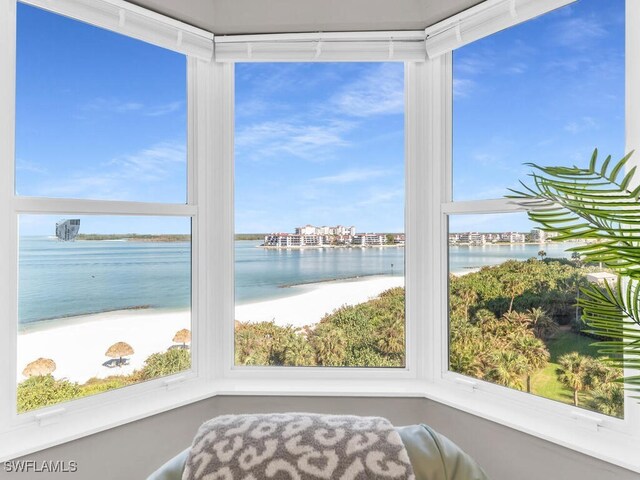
(81, 421)
(574, 433)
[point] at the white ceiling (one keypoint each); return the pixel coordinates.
(278, 16)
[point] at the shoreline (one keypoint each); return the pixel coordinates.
(304, 247)
(78, 344)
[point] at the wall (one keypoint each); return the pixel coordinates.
(133, 451)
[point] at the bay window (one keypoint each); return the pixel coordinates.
(173, 187)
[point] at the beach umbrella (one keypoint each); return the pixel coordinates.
(182, 336)
(41, 366)
(119, 350)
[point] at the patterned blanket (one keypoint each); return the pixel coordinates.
(297, 446)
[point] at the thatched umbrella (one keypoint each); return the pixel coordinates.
(182, 336)
(119, 350)
(41, 366)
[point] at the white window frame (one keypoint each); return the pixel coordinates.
(210, 144)
(23, 433)
(268, 376)
(601, 436)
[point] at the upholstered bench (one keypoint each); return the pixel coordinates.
(433, 457)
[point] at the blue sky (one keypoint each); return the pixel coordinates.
(103, 116)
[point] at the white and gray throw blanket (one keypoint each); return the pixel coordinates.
(297, 446)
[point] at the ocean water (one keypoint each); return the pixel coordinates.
(64, 279)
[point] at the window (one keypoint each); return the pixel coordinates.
(104, 301)
(518, 97)
(303, 109)
(319, 217)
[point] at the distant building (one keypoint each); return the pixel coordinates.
(477, 238)
(512, 237)
(312, 236)
(540, 236)
(369, 239)
(339, 230)
(472, 238)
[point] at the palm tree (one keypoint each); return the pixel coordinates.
(391, 339)
(542, 254)
(574, 373)
(513, 286)
(541, 323)
(576, 258)
(608, 398)
(507, 368)
(534, 351)
(330, 345)
(468, 296)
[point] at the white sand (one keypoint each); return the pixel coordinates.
(77, 345)
(310, 303)
(466, 272)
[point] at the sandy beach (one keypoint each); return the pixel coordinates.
(78, 344)
(309, 303)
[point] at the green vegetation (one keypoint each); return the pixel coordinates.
(370, 334)
(134, 237)
(250, 236)
(166, 363)
(510, 326)
(43, 390)
(600, 204)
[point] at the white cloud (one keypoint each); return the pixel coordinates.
(474, 64)
(581, 125)
(381, 197)
(31, 167)
(116, 106)
(299, 139)
(379, 92)
(517, 68)
(159, 110)
(351, 176)
(149, 164)
(578, 32)
(120, 177)
(462, 87)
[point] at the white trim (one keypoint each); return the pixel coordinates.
(416, 264)
(414, 356)
(498, 205)
(133, 21)
(323, 47)
(20, 434)
(483, 20)
(37, 205)
(221, 179)
(632, 142)
(615, 440)
(9, 237)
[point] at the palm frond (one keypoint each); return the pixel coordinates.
(589, 203)
(592, 204)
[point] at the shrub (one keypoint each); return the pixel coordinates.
(43, 390)
(166, 363)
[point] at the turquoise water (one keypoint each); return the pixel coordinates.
(63, 279)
